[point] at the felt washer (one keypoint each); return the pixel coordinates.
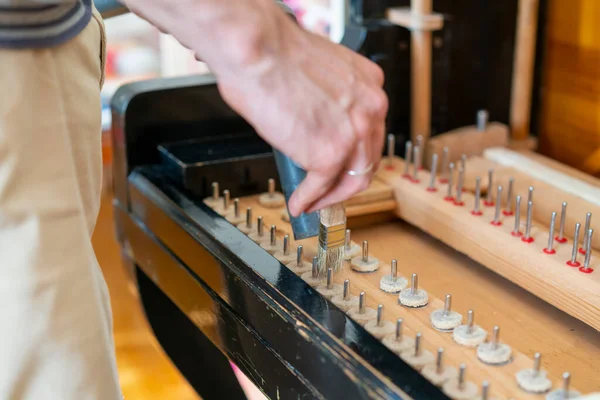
(235, 220)
(272, 248)
(448, 372)
(389, 285)
(559, 394)
(445, 322)
(212, 203)
(285, 215)
(500, 355)
(358, 264)
(351, 252)
(304, 267)
(329, 293)
(273, 200)
(533, 382)
(259, 239)
(285, 259)
(244, 228)
(308, 278)
(380, 331)
(417, 362)
(363, 318)
(345, 305)
(462, 336)
(417, 300)
(398, 346)
(468, 392)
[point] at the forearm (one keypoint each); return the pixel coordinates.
(226, 34)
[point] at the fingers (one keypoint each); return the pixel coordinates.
(313, 187)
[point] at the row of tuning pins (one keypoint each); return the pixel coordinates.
(413, 156)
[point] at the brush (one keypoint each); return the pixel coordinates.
(332, 233)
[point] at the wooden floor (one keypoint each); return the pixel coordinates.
(145, 371)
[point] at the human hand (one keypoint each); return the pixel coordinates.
(320, 104)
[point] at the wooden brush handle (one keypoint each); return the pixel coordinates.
(334, 215)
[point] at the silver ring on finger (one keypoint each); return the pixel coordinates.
(361, 172)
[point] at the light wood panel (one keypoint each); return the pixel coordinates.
(527, 324)
(145, 372)
(570, 104)
(527, 265)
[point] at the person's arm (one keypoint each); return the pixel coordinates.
(316, 101)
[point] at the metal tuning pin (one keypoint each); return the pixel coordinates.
(433, 173)
(364, 262)
(477, 206)
(391, 150)
(482, 120)
(300, 257)
(394, 270)
(246, 226)
(448, 304)
(365, 251)
(362, 306)
(470, 321)
(550, 248)
(421, 145)
(588, 221)
(588, 254)
(485, 390)
(249, 217)
(459, 187)
(271, 186)
(560, 238)
(495, 337)
(273, 237)
(417, 164)
(489, 202)
(259, 226)
(346, 293)
(312, 277)
(379, 315)
(496, 221)
(215, 191)
(463, 161)
(517, 229)
(418, 344)
(537, 363)
(329, 278)
(286, 245)
(347, 241)
(508, 209)
(407, 159)
(530, 194)
(236, 208)
(573, 261)
(444, 168)
(462, 369)
(439, 365)
(226, 200)
(527, 238)
(398, 335)
(449, 196)
(414, 284)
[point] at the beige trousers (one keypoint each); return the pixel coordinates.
(56, 339)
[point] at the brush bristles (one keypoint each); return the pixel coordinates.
(330, 257)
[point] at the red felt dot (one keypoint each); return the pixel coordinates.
(582, 250)
(496, 223)
(586, 270)
(488, 204)
(573, 264)
(414, 180)
(527, 240)
(389, 167)
(420, 169)
(406, 176)
(449, 198)
(549, 251)
(431, 189)
(459, 203)
(477, 213)
(443, 180)
(561, 240)
(507, 213)
(516, 234)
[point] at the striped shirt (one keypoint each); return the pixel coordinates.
(41, 23)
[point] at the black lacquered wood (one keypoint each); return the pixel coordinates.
(330, 352)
